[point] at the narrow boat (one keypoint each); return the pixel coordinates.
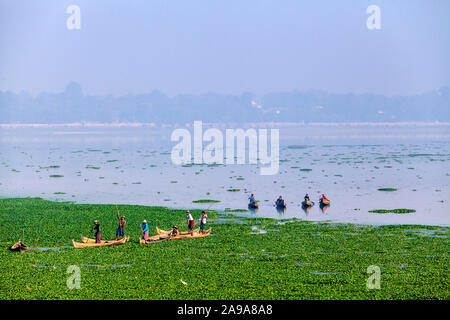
(164, 237)
(254, 205)
(104, 243)
(164, 232)
(89, 240)
(324, 203)
(306, 204)
(19, 246)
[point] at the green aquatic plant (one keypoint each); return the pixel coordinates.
(399, 211)
(205, 201)
(56, 176)
(233, 190)
(293, 260)
(91, 167)
(387, 189)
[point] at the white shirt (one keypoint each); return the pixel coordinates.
(203, 219)
(189, 217)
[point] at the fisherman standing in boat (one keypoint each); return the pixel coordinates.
(203, 221)
(307, 201)
(251, 199)
(98, 233)
(144, 228)
(190, 222)
(280, 202)
(120, 232)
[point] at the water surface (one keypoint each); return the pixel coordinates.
(346, 162)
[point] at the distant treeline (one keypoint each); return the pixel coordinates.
(318, 106)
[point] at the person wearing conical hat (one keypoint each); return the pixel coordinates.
(174, 231)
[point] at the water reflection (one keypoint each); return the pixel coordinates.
(324, 207)
(253, 210)
(281, 210)
(306, 209)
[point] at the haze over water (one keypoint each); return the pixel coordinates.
(347, 162)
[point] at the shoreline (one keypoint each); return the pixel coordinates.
(237, 214)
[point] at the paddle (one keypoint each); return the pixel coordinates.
(36, 243)
(118, 215)
(142, 230)
(205, 211)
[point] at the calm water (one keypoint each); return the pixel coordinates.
(133, 166)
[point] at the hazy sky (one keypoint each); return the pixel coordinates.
(226, 46)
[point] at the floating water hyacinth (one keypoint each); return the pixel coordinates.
(387, 189)
(205, 201)
(399, 211)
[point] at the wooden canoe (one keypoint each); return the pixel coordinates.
(165, 232)
(253, 205)
(89, 240)
(307, 204)
(164, 237)
(103, 243)
(19, 246)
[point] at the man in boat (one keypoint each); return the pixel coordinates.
(280, 202)
(307, 200)
(171, 234)
(174, 232)
(251, 199)
(19, 246)
(144, 228)
(190, 222)
(120, 232)
(203, 221)
(98, 233)
(324, 199)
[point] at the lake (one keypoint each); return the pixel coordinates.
(131, 164)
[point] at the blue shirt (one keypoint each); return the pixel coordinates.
(251, 199)
(144, 226)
